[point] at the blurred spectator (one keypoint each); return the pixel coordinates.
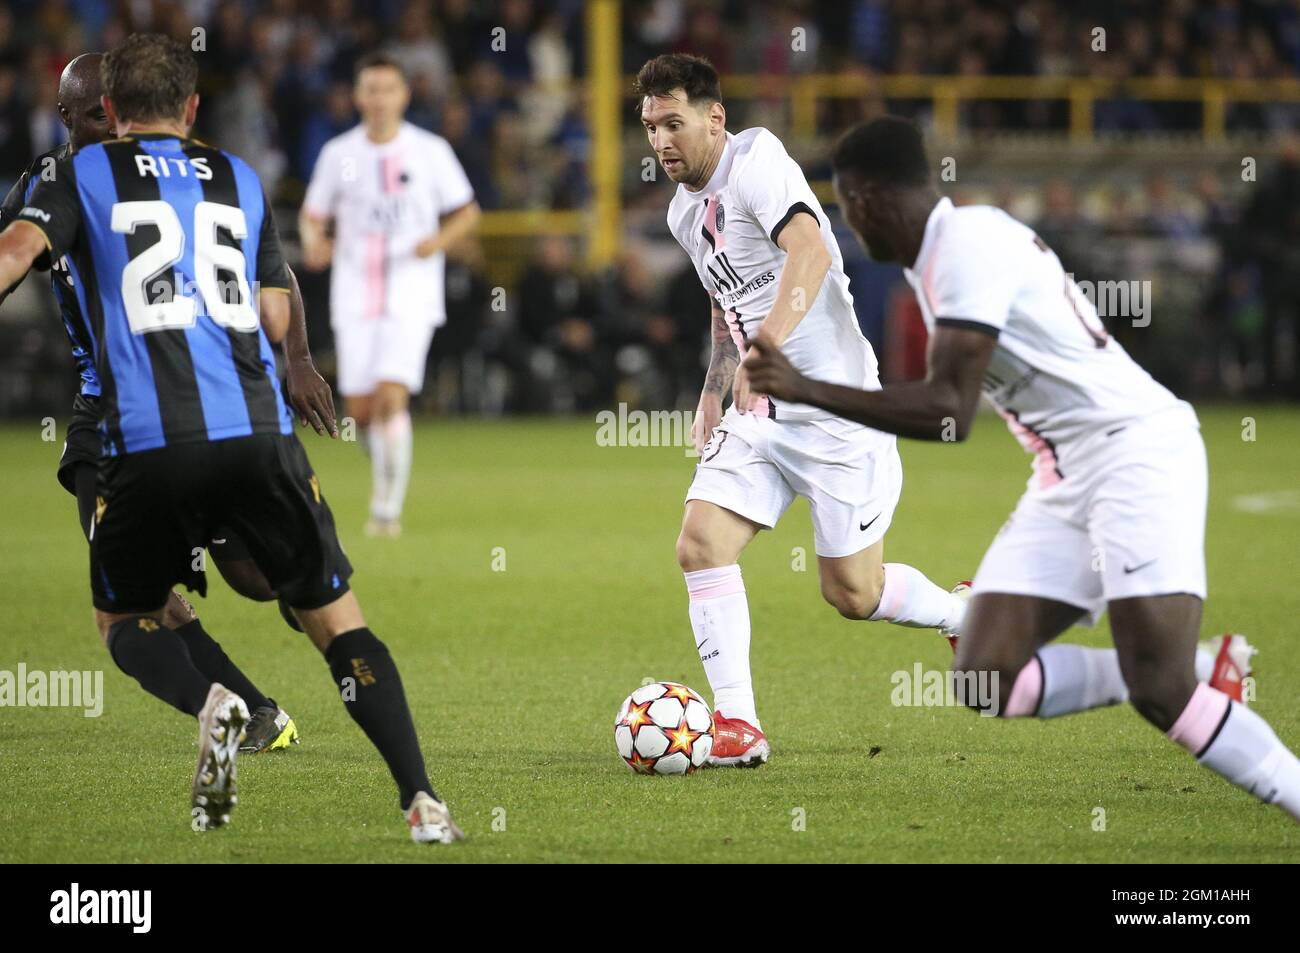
(1272, 230)
(558, 317)
(421, 53)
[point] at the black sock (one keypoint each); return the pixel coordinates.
(211, 659)
(156, 657)
(366, 676)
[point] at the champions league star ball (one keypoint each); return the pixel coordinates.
(664, 728)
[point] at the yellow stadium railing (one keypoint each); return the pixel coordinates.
(947, 93)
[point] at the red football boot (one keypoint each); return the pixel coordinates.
(737, 744)
(1231, 663)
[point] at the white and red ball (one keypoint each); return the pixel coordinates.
(664, 728)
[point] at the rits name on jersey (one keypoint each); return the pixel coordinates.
(164, 167)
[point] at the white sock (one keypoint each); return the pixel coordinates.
(720, 620)
(390, 465)
(1229, 738)
(1070, 678)
(910, 599)
(1077, 679)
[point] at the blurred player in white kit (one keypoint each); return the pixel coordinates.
(397, 198)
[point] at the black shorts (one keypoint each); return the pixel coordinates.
(84, 443)
(160, 508)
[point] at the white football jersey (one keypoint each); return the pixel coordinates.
(1056, 376)
(730, 230)
(385, 199)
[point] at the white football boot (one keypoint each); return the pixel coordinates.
(221, 729)
(962, 591)
(430, 821)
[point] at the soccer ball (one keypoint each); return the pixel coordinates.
(664, 728)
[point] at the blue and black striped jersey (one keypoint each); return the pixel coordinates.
(62, 277)
(169, 241)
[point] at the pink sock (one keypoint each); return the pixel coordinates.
(1027, 691)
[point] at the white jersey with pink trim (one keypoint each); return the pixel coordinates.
(730, 230)
(385, 198)
(1056, 376)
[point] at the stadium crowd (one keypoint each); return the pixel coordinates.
(494, 78)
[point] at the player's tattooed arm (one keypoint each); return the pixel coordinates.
(717, 380)
(941, 407)
(725, 358)
(308, 392)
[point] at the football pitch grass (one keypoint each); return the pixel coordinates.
(535, 586)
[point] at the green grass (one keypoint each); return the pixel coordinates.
(514, 678)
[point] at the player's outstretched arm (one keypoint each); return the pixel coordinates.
(20, 245)
(941, 407)
(717, 380)
(309, 394)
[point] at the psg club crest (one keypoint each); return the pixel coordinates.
(719, 219)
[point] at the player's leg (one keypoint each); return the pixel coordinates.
(1156, 639)
(708, 552)
(270, 728)
(1038, 578)
(241, 574)
(359, 408)
(863, 586)
(141, 546)
(276, 505)
(1035, 581)
(1149, 523)
(390, 456)
(136, 553)
(853, 476)
(401, 348)
(354, 342)
(735, 493)
(1005, 642)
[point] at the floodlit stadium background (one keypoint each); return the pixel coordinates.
(1152, 144)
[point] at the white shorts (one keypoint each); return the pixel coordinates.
(850, 474)
(373, 351)
(1132, 525)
